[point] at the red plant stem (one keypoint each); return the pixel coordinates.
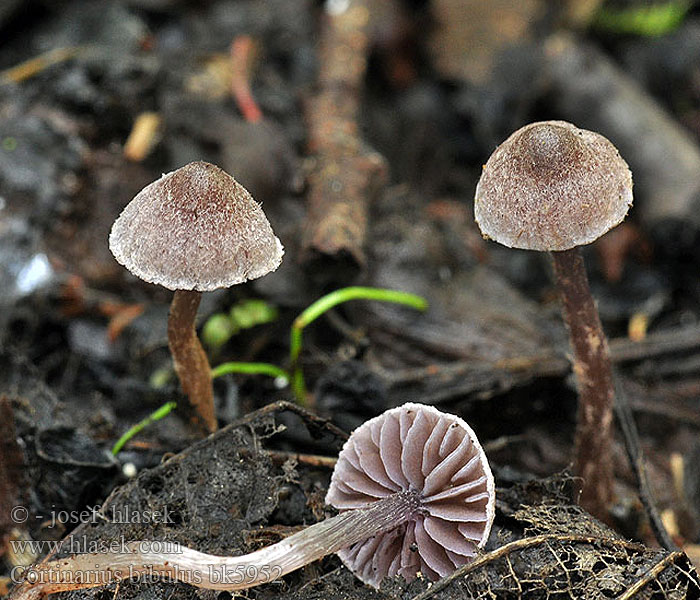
(241, 57)
(593, 371)
(191, 363)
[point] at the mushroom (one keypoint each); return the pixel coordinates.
(416, 450)
(194, 230)
(553, 187)
(415, 492)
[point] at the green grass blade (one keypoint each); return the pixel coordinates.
(157, 415)
(250, 369)
(324, 304)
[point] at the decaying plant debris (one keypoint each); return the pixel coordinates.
(362, 125)
(544, 545)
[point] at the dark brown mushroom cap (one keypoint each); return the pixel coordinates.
(416, 447)
(551, 186)
(196, 228)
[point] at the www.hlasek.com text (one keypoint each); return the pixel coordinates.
(77, 544)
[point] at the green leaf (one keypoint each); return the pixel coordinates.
(249, 313)
(650, 20)
(218, 330)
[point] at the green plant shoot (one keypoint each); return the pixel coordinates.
(250, 368)
(218, 329)
(157, 415)
(221, 327)
(315, 310)
(249, 313)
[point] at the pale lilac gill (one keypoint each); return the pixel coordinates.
(436, 456)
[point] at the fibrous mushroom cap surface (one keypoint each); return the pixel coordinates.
(196, 228)
(552, 186)
(416, 447)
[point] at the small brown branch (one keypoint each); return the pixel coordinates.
(651, 575)
(34, 66)
(666, 403)
(622, 350)
(191, 363)
(593, 371)
(312, 460)
(347, 174)
(312, 421)
(120, 318)
(476, 377)
(677, 339)
(636, 457)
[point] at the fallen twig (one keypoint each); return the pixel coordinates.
(34, 66)
(634, 452)
(677, 339)
(318, 423)
(651, 575)
(312, 460)
(471, 375)
(347, 174)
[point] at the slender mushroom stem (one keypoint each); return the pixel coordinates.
(191, 363)
(593, 371)
(220, 572)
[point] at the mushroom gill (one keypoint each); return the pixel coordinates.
(416, 448)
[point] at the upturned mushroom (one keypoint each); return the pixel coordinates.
(553, 187)
(434, 459)
(415, 492)
(191, 231)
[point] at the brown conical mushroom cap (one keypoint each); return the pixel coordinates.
(418, 448)
(551, 186)
(196, 228)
